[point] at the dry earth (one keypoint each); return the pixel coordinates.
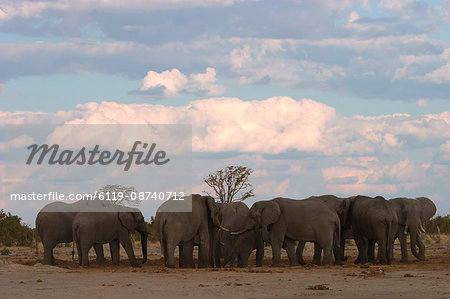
(22, 275)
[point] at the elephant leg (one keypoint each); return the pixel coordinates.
(169, 254)
(259, 253)
(327, 252)
(289, 246)
(100, 254)
(362, 245)
(403, 245)
(79, 253)
(382, 252)
(243, 257)
(114, 248)
(240, 261)
(317, 254)
(125, 240)
(203, 250)
(84, 254)
(421, 246)
(217, 255)
(48, 254)
(337, 255)
(187, 254)
(324, 244)
(299, 252)
(277, 243)
(371, 251)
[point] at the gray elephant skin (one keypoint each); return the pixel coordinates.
(232, 218)
(282, 221)
(373, 221)
(181, 228)
(338, 205)
(113, 225)
(54, 225)
(412, 213)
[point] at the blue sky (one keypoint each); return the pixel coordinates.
(376, 75)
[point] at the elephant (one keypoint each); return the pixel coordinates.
(338, 205)
(282, 221)
(412, 213)
(373, 221)
(113, 225)
(232, 217)
(54, 225)
(181, 228)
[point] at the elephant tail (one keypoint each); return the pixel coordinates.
(390, 241)
(337, 234)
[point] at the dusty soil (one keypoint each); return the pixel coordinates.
(21, 274)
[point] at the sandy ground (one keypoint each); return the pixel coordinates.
(22, 275)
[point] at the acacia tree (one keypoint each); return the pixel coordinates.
(228, 182)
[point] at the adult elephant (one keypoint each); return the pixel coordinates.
(114, 224)
(412, 213)
(340, 206)
(232, 217)
(373, 221)
(281, 221)
(54, 225)
(181, 228)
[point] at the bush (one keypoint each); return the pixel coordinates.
(13, 232)
(442, 221)
(5, 251)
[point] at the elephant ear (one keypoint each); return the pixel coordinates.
(127, 220)
(213, 210)
(270, 214)
(428, 208)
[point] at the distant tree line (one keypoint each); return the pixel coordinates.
(13, 232)
(443, 222)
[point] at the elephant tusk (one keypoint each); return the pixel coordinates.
(421, 228)
(224, 228)
(239, 232)
(222, 243)
(406, 230)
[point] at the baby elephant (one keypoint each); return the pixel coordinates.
(90, 228)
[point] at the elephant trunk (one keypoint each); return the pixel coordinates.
(413, 231)
(144, 246)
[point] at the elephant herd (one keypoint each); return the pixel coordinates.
(59, 222)
(227, 233)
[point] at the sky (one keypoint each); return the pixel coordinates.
(317, 97)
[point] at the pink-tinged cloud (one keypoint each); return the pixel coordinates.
(275, 125)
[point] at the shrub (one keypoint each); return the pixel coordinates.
(5, 251)
(13, 232)
(442, 221)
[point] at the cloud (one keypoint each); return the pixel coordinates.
(21, 141)
(272, 126)
(22, 9)
(272, 188)
(368, 175)
(32, 9)
(172, 83)
(341, 49)
(440, 75)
